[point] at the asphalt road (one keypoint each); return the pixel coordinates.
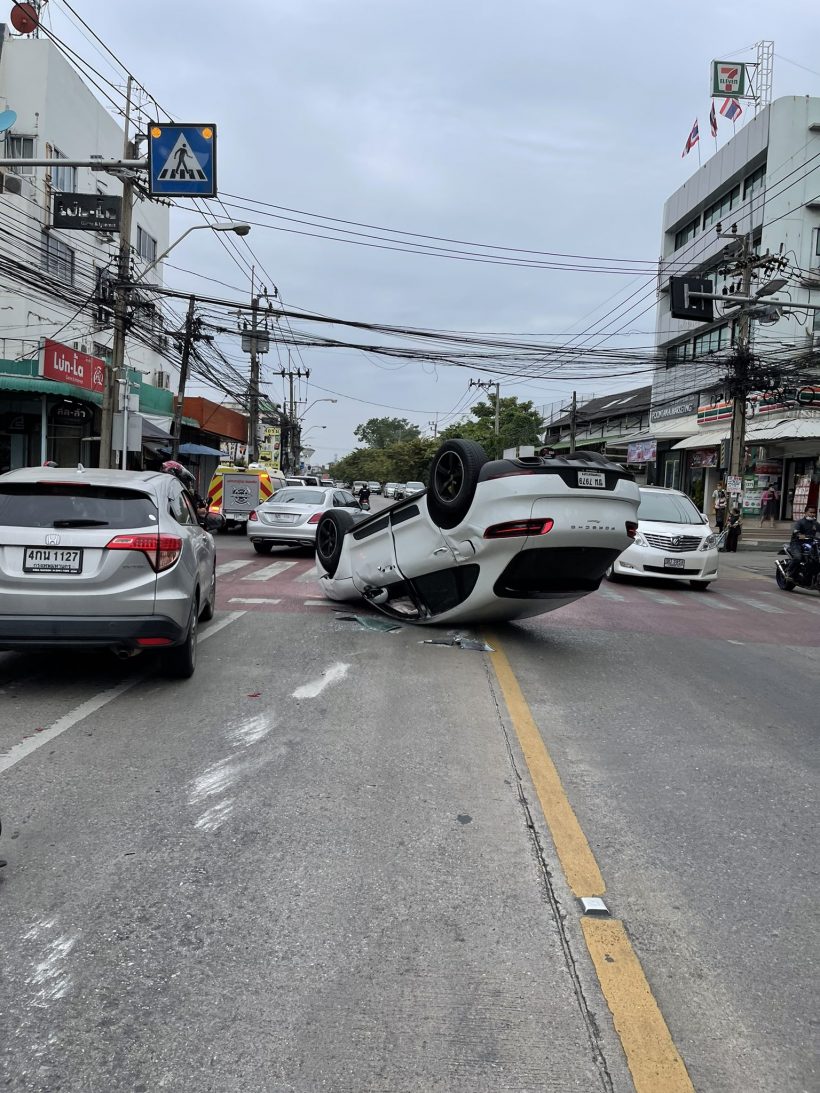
(322, 864)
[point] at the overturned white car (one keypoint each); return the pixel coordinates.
(487, 540)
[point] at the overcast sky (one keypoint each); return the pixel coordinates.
(533, 124)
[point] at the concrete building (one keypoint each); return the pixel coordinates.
(49, 277)
(765, 180)
(607, 424)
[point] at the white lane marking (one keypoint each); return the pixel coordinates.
(309, 575)
(214, 627)
(268, 572)
(608, 594)
(318, 603)
(91, 705)
(713, 601)
(251, 599)
(229, 567)
(213, 818)
(251, 731)
(50, 975)
(220, 776)
(732, 642)
(759, 605)
(333, 674)
(658, 597)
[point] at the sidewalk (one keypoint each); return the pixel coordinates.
(767, 537)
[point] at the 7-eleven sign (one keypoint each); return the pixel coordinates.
(729, 79)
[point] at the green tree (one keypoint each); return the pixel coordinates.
(381, 432)
(519, 423)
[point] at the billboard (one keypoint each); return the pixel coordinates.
(64, 364)
(270, 451)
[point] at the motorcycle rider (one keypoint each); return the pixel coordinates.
(364, 496)
(805, 530)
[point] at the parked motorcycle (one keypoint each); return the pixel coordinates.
(807, 572)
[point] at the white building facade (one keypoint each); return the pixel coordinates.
(50, 278)
(764, 181)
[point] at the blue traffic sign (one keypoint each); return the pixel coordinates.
(181, 160)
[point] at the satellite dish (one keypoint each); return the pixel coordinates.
(7, 119)
(24, 18)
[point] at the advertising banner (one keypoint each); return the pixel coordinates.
(270, 454)
(641, 451)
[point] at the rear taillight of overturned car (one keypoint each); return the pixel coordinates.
(631, 529)
(514, 528)
(162, 551)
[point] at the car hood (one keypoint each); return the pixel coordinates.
(670, 530)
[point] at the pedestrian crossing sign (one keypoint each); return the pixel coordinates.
(181, 160)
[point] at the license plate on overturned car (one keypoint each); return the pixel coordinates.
(52, 560)
(596, 479)
(674, 563)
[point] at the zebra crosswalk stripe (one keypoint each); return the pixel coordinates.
(759, 605)
(230, 567)
(268, 571)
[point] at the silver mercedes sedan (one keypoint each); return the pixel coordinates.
(291, 516)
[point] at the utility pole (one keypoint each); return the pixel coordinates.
(737, 442)
(114, 370)
(253, 393)
(294, 442)
(488, 385)
(573, 420)
(183, 378)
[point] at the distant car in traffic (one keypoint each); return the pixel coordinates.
(375, 487)
(674, 541)
(292, 516)
(413, 487)
(489, 539)
(104, 559)
(390, 489)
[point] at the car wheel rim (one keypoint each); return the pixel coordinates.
(327, 539)
(449, 477)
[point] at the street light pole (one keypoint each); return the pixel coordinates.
(183, 378)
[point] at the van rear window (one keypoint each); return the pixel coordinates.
(56, 504)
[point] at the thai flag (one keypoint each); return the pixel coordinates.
(731, 109)
(691, 140)
(713, 119)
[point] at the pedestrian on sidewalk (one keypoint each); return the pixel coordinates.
(719, 499)
(768, 501)
(734, 529)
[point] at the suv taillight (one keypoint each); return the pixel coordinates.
(513, 528)
(162, 551)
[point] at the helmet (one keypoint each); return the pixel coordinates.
(182, 473)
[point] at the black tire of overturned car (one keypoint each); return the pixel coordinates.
(453, 480)
(330, 534)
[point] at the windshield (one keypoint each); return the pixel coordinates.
(64, 505)
(289, 496)
(415, 485)
(668, 508)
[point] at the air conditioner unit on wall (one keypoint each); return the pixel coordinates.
(162, 379)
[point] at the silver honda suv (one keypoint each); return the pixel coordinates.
(103, 559)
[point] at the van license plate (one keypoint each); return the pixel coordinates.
(595, 479)
(674, 563)
(52, 560)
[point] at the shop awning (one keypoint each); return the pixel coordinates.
(152, 432)
(706, 438)
(763, 431)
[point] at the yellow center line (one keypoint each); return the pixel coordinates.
(577, 860)
(653, 1059)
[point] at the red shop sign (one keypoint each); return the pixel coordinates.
(62, 363)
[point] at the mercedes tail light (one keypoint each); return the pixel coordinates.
(162, 551)
(253, 517)
(513, 528)
(631, 529)
(316, 517)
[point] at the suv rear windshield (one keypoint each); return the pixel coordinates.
(57, 504)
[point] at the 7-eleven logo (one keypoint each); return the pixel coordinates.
(729, 78)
